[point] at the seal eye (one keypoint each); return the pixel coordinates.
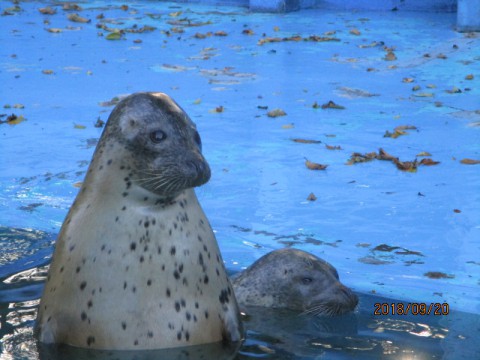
(307, 280)
(157, 136)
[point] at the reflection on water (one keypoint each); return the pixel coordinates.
(271, 334)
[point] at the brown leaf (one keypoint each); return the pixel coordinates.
(457, 211)
(305, 141)
(71, 6)
(383, 155)
(438, 275)
(247, 32)
(47, 72)
(469, 161)
(355, 32)
(410, 166)
(390, 56)
(311, 197)
(314, 166)
(333, 147)
(429, 162)
(220, 33)
(423, 153)
(47, 10)
(276, 113)
(356, 158)
(469, 77)
(332, 105)
(77, 18)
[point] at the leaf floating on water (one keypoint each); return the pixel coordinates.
(454, 90)
(423, 153)
(175, 14)
(54, 30)
(409, 166)
(332, 105)
(332, 147)
(13, 120)
(314, 166)
(470, 161)
(429, 162)
(399, 130)
(197, 101)
(469, 77)
(356, 158)
(441, 56)
(18, 106)
(117, 35)
(99, 123)
(316, 105)
(311, 197)
(112, 102)
(218, 109)
(383, 155)
(390, 56)
(438, 275)
(47, 10)
(276, 113)
(416, 88)
(47, 72)
(79, 126)
(220, 33)
(77, 18)
(305, 141)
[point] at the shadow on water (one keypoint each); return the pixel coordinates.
(271, 334)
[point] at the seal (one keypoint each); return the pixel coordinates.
(297, 280)
(136, 263)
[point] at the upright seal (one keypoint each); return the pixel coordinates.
(136, 263)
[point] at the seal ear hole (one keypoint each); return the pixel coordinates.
(157, 136)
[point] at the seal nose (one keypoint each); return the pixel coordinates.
(350, 298)
(200, 172)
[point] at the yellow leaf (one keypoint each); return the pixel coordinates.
(14, 119)
(355, 32)
(469, 161)
(197, 101)
(47, 72)
(77, 18)
(288, 126)
(408, 80)
(78, 126)
(423, 94)
(469, 77)
(424, 153)
(117, 35)
(276, 113)
(314, 166)
(175, 14)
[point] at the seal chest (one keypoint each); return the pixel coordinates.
(136, 263)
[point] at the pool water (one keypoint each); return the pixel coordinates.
(394, 236)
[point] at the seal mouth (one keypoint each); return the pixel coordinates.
(200, 172)
(344, 301)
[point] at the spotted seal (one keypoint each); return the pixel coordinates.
(294, 279)
(136, 263)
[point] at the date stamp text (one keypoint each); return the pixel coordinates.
(411, 309)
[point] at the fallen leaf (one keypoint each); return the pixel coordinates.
(247, 32)
(390, 56)
(47, 72)
(457, 211)
(429, 162)
(469, 77)
(408, 80)
(305, 141)
(197, 101)
(331, 147)
(124, 7)
(276, 113)
(288, 126)
(423, 153)
(438, 275)
(416, 88)
(77, 18)
(441, 56)
(469, 161)
(137, 41)
(454, 90)
(355, 32)
(77, 184)
(383, 155)
(409, 166)
(71, 6)
(316, 105)
(356, 158)
(79, 126)
(314, 166)
(99, 123)
(220, 33)
(175, 14)
(54, 30)
(311, 197)
(219, 109)
(18, 106)
(117, 35)
(13, 119)
(276, 28)
(332, 105)
(431, 86)
(47, 10)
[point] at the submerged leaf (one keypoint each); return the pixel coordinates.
(276, 113)
(332, 105)
(469, 161)
(116, 35)
(305, 141)
(77, 18)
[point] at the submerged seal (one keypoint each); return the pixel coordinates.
(296, 280)
(136, 263)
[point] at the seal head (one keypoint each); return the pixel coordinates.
(296, 280)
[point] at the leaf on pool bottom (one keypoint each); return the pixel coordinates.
(47, 72)
(175, 14)
(409, 166)
(288, 126)
(314, 166)
(457, 211)
(71, 6)
(306, 141)
(469, 77)
(423, 153)
(276, 113)
(390, 56)
(332, 105)
(247, 32)
(356, 158)
(399, 130)
(220, 33)
(218, 109)
(408, 80)
(454, 90)
(469, 161)
(77, 18)
(311, 197)
(438, 275)
(423, 94)
(355, 32)
(79, 126)
(54, 30)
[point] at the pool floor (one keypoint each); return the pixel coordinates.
(267, 92)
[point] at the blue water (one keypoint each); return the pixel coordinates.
(382, 228)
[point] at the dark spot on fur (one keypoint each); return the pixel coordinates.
(90, 340)
(180, 268)
(142, 259)
(135, 343)
(124, 325)
(159, 250)
(124, 208)
(223, 297)
(183, 303)
(206, 314)
(147, 224)
(77, 270)
(168, 292)
(177, 306)
(109, 162)
(72, 247)
(173, 250)
(125, 194)
(83, 316)
(90, 303)
(133, 246)
(188, 316)
(149, 282)
(145, 198)
(124, 285)
(61, 269)
(179, 336)
(187, 335)
(205, 279)
(150, 334)
(116, 219)
(83, 284)
(176, 274)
